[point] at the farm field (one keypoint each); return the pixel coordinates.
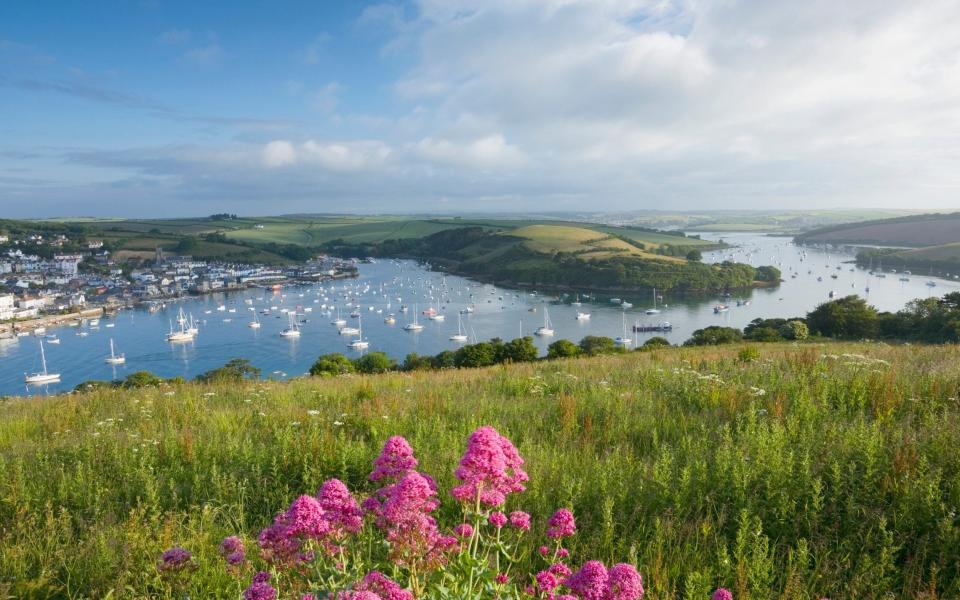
(590, 243)
(922, 231)
(807, 471)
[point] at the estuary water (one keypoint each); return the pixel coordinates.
(383, 287)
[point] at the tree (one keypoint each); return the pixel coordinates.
(445, 360)
(187, 244)
(519, 350)
(331, 365)
(656, 342)
(794, 330)
(475, 355)
(714, 335)
(374, 362)
(694, 255)
(768, 273)
(597, 344)
(415, 362)
(236, 370)
(563, 349)
(141, 379)
(845, 318)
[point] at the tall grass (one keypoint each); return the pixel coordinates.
(813, 470)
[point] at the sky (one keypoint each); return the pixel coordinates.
(165, 108)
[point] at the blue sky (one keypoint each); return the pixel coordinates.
(162, 108)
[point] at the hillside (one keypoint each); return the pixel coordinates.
(809, 471)
(930, 241)
(915, 231)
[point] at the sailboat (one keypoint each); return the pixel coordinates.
(623, 340)
(338, 322)
(414, 326)
(114, 358)
(437, 315)
(459, 336)
(181, 335)
(192, 326)
(576, 302)
(547, 329)
(292, 330)
(44, 376)
(255, 323)
(359, 343)
(654, 310)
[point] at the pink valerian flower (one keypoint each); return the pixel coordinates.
(562, 553)
(497, 519)
(395, 460)
(590, 582)
(260, 588)
(282, 542)
(463, 530)
(566, 597)
(412, 533)
(520, 520)
(624, 583)
(547, 582)
(382, 587)
(561, 570)
(175, 560)
(543, 550)
(561, 524)
(502, 578)
(356, 596)
(231, 548)
(722, 594)
(491, 468)
(340, 508)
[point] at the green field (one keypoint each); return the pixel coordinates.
(812, 470)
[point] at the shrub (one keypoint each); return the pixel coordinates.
(562, 349)
(794, 330)
(237, 369)
(142, 379)
(476, 355)
(656, 342)
(748, 354)
(333, 364)
(714, 335)
(845, 318)
(374, 362)
(597, 344)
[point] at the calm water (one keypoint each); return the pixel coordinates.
(383, 287)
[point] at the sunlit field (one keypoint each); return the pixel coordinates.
(807, 471)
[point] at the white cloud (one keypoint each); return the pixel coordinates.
(490, 152)
(279, 153)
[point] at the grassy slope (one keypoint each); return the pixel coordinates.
(593, 244)
(839, 480)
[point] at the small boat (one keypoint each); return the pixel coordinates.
(625, 305)
(653, 310)
(390, 320)
(720, 308)
(831, 294)
(53, 340)
(292, 330)
(94, 322)
(255, 323)
(348, 331)
(43, 376)
(615, 300)
(413, 326)
(743, 303)
(459, 336)
(581, 316)
(114, 358)
(359, 343)
(39, 331)
(546, 330)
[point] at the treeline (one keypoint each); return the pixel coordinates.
(485, 254)
(924, 320)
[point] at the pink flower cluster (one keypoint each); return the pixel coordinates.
(231, 548)
(722, 594)
(395, 460)
(595, 582)
(327, 518)
(561, 524)
(490, 469)
(175, 560)
(260, 588)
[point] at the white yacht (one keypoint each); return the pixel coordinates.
(359, 343)
(43, 376)
(114, 358)
(582, 316)
(546, 330)
(460, 336)
(414, 326)
(653, 310)
(292, 330)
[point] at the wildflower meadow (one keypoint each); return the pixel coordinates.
(791, 471)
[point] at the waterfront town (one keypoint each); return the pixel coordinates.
(37, 291)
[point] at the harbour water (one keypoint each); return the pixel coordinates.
(382, 288)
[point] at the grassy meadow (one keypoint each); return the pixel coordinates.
(812, 470)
